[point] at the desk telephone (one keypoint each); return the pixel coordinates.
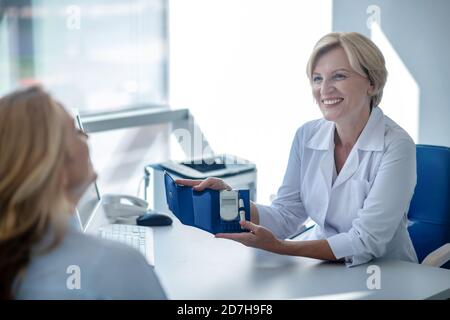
(117, 205)
(120, 206)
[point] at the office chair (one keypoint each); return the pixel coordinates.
(429, 211)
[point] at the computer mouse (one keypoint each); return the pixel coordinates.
(153, 219)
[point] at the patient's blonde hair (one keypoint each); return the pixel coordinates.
(363, 55)
(32, 195)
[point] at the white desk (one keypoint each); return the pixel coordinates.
(192, 264)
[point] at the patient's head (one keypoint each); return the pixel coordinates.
(44, 170)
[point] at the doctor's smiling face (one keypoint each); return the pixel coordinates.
(342, 94)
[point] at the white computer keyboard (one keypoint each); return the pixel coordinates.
(140, 238)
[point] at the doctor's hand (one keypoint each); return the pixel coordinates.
(258, 237)
(200, 185)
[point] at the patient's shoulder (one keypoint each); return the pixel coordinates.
(105, 270)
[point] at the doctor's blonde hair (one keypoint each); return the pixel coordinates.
(363, 55)
(32, 196)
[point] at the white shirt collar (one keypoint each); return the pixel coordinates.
(370, 139)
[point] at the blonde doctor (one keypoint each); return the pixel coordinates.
(353, 172)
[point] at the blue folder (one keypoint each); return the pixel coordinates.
(201, 209)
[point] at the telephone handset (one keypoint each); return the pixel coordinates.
(117, 205)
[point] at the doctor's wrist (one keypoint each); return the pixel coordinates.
(284, 248)
(293, 248)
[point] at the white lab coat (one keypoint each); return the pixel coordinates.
(363, 214)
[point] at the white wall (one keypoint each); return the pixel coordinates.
(239, 66)
(417, 31)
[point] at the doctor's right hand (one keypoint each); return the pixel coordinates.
(200, 185)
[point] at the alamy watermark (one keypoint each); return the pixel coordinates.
(73, 18)
(374, 13)
(73, 281)
(374, 280)
(198, 150)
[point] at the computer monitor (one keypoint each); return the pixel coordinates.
(90, 200)
(87, 206)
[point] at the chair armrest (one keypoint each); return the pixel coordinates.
(438, 257)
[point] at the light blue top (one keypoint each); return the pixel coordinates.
(108, 270)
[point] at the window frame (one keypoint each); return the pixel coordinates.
(132, 115)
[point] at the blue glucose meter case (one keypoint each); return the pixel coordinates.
(201, 209)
